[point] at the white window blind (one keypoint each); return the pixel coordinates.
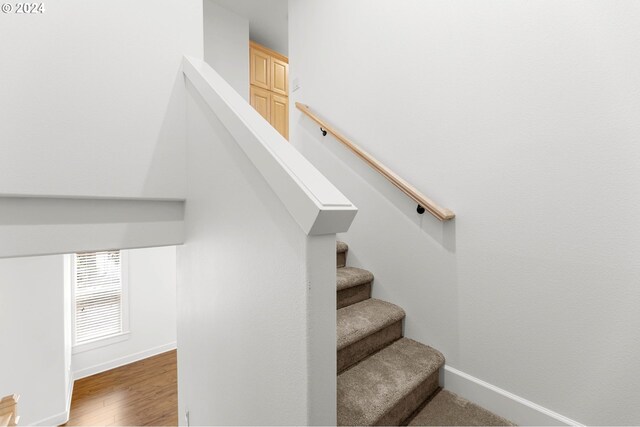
(98, 295)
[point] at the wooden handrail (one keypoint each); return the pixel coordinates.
(8, 410)
(443, 214)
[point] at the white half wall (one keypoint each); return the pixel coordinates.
(152, 314)
(256, 295)
(521, 117)
(92, 98)
(32, 334)
(32, 226)
(226, 45)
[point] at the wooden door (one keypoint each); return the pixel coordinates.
(280, 114)
(261, 102)
(260, 63)
(279, 76)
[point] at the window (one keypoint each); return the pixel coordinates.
(99, 297)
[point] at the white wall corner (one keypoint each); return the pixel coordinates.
(321, 330)
(226, 45)
(69, 397)
(62, 417)
(508, 405)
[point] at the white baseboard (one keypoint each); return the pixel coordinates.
(102, 367)
(514, 408)
(56, 420)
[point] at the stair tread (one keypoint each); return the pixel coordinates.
(357, 321)
(449, 409)
(348, 277)
(368, 390)
(341, 247)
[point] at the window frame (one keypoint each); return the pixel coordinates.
(124, 309)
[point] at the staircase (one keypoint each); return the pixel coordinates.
(384, 378)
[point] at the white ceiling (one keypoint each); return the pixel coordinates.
(268, 21)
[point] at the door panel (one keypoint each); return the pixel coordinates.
(261, 102)
(260, 68)
(280, 114)
(279, 76)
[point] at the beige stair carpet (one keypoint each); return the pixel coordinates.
(357, 321)
(449, 409)
(366, 327)
(384, 378)
(353, 285)
(387, 387)
(351, 276)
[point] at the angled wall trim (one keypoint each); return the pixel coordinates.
(31, 225)
(316, 205)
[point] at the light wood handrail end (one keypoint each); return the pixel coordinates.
(447, 215)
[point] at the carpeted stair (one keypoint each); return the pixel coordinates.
(384, 378)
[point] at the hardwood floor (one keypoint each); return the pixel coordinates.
(142, 393)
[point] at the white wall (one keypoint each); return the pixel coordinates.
(92, 98)
(226, 45)
(244, 291)
(32, 333)
(522, 117)
(152, 313)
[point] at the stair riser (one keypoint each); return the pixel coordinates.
(410, 403)
(354, 294)
(341, 259)
(357, 351)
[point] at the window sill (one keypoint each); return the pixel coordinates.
(101, 342)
